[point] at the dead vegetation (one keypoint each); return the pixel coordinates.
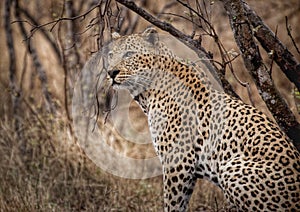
(45, 171)
(42, 168)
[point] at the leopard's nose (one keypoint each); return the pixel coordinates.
(113, 73)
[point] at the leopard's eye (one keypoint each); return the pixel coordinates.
(110, 55)
(129, 54)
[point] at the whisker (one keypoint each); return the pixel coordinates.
(140, 81)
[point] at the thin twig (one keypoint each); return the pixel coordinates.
(181, 16)
(210, 29)
(187, 40)
(166, 6)
(55, 22)
(197, 13)
(271, 55)
(244, 84)
(33, 22)
(290, 34)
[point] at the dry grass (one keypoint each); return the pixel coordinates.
(43, 170)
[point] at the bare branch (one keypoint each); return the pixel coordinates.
(65, 53)
(166, 6)
(187, 40)
(254, 63)
(288, 29)
(37, 63)
(208, 28)
(55, 22)
(71, 51)
(12, 64)
(282, 56)
(134, 23)
(33, 22)
(10, 45)
(207, 23)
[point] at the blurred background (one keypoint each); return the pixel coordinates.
(45, 45)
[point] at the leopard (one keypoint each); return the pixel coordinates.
(202, 133)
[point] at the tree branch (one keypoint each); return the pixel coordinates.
(12, 61)
(43, 31)
(71, 52)
(254, 63)
(282, 56)
(55, 22)
(187, 40)
(64, 55)
(37, 63)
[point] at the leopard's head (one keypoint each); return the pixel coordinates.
(122, 47)
(135, 71)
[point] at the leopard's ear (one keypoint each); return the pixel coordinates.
(115, 35)
(151, 35)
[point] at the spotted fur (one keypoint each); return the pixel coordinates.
(199, 132)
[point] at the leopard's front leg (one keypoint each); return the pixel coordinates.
(178, 187)
(178, 162)
(176, 153)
